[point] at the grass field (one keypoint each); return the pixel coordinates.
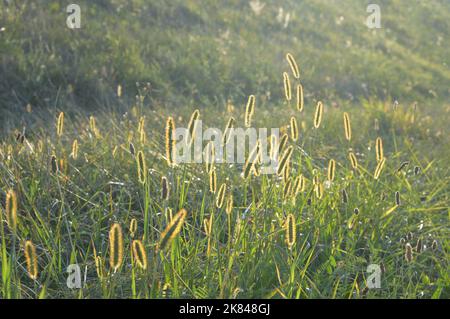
(85, 177)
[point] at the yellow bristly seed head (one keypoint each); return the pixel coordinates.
(11, 210)
(210, 156)
(293, 65)
(249, 110)
(170, 141)
(353, 160)
(165, 188)
(331, 169)
(287, 189)
(115, 246)
(60, 124)
(31, 259)
(74, 153)
(299, 185)
(227, 133)
(284, 160)
(192, 125)
(172, 229)
(221, 195)
(347, 127)
(318, 190)
(139, 254)
(229, 208)
(379, 168)
(142, 167)
(379, 149)
(318, 115)
(287, 86)
(133, 227)
(300, 99)
(252, 159)
(294, 129)
(212, 181)
(282, 144)
(291, 232)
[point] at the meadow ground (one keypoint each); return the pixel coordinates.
(73, 182)
(86, 178)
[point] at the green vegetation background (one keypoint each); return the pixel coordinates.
(205, 52)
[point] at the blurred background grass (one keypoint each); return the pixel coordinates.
(203, 53)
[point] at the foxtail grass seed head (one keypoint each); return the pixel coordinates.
(300, 99)
(60, 125)
(344, 196)
(419, 245)
(169, 214)
(115, 246)
(379, 149)
(54, 164)
(212, 181)
(409, 236)
(287, 172)
(293, 65)
(142, 167)
(170, 141)
(132, 149)
(139, 254)
(229, 207)
(291, 232)
(31, 259)
(434, 245)
(172, 229)
(74, 153)
(251, 159)
(318, 114)
(119, 90)
(192, 125)
(141, 125)
(331, 170)
(11, 209)
(318, 190)
(249, 110)
(284, 160)
(379, 168)
(93, 125)
(273, 147)
(221, 195)
(299, 185)
(133, 227)
(99, 266)
(408, 252)
(210, 156)
(347, 127)
(294, 129)
(165, 188)
(287, 189)
(228, 128)
(207, 223)
(282, 144)
(353, 160)
(402, 166)
(397, 198)
(287, 86)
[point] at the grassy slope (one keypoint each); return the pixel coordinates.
(205, 53)
(189, 63)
